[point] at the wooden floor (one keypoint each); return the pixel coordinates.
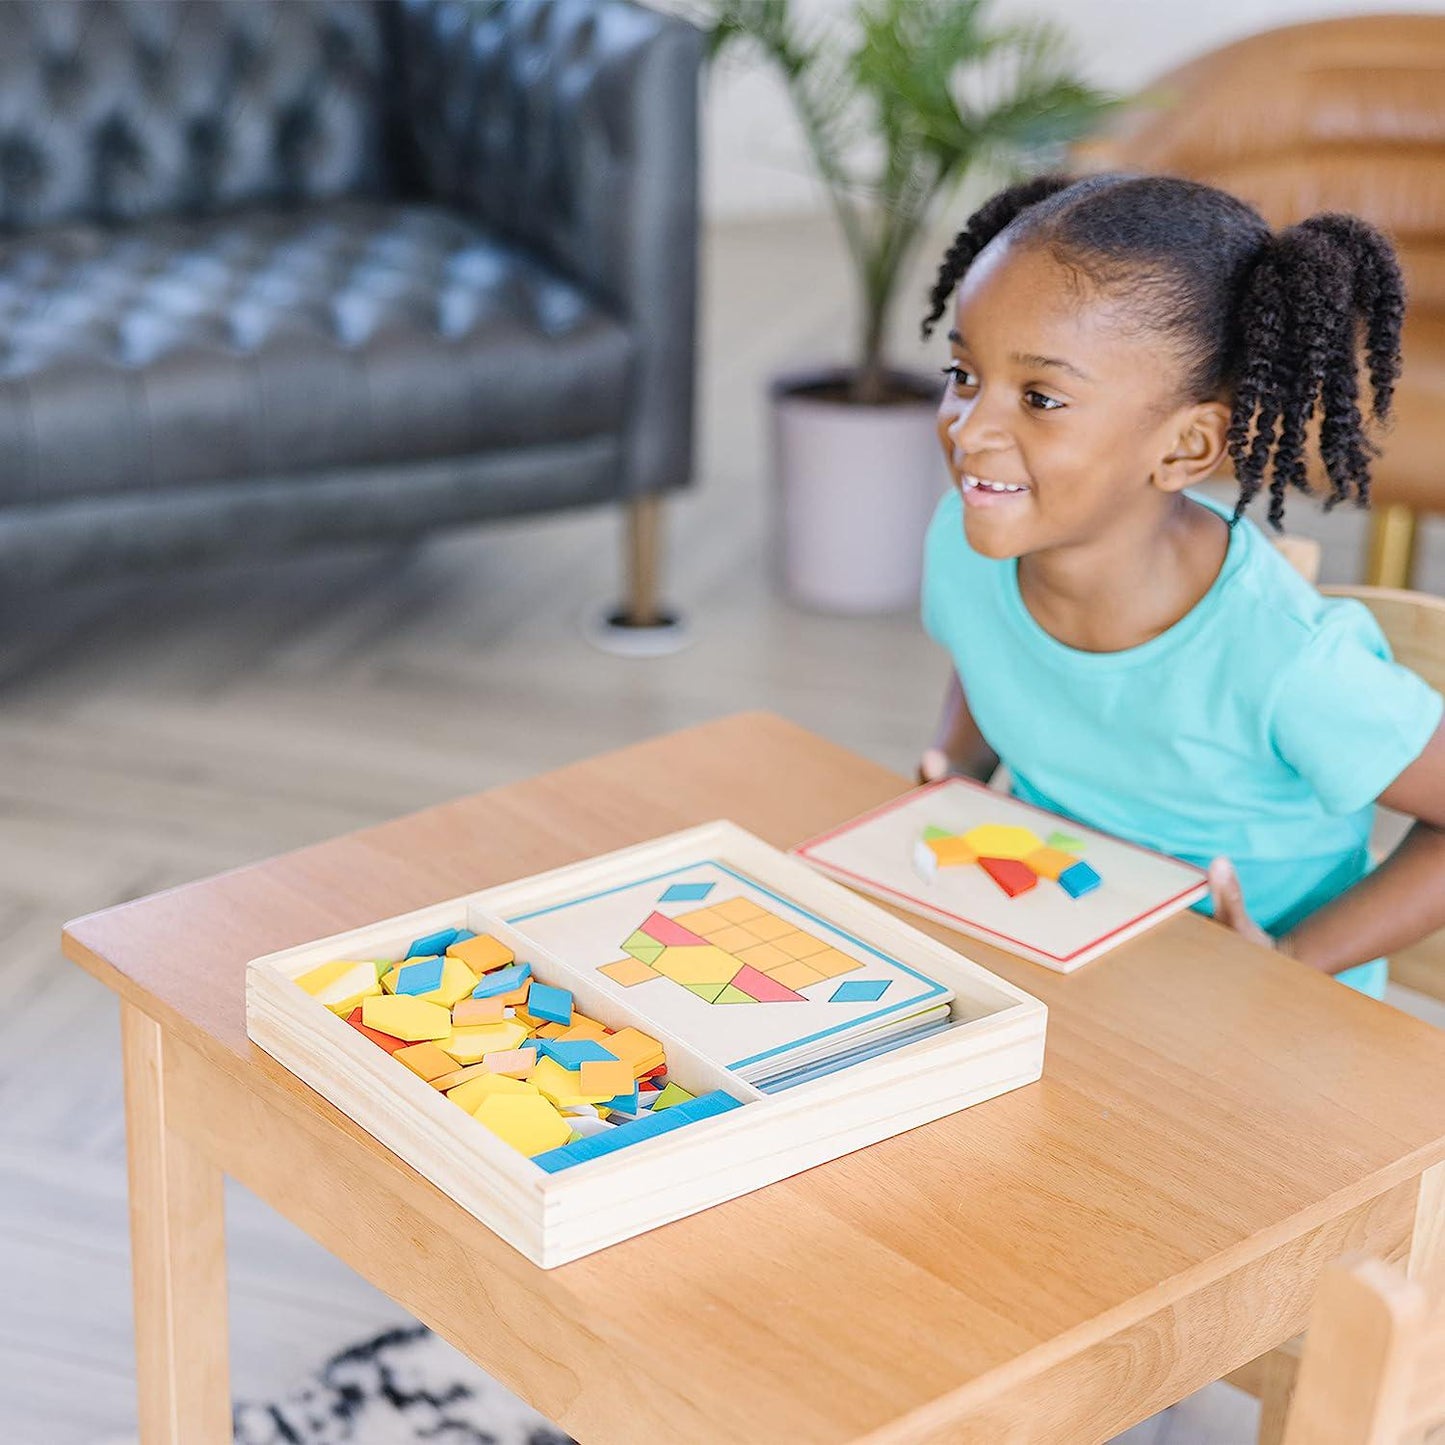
(157, 730)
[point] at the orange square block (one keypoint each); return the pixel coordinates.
(1050, 862)
(737, 910)
(477, 1011)
(952, 852)
(769, 927)
(832, 962)
(482, 953)
(604, 1076)
(426, 1061)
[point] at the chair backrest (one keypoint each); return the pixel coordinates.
(1373, 1370)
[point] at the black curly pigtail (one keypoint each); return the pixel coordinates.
(1313, 290)
(979, 230)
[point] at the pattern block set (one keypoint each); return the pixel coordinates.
(464, 1016)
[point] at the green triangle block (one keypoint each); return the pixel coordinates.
(708, 992)
(1064, 843)
(932, 832)
(644, 948)
(734, 995)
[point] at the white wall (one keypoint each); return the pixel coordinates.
(755, 164)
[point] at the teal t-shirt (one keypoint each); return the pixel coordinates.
(1261, 727)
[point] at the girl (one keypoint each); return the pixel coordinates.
(1143, 661)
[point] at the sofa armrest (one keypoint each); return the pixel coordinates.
(570, 127)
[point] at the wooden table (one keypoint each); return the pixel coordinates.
(1214, 1124)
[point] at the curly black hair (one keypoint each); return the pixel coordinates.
(1272, 321)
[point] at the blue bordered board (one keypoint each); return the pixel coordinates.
(751, 979)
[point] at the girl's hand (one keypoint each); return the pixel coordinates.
(1228, 900)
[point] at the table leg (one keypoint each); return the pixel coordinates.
(1427, 1238)
(178, 1258)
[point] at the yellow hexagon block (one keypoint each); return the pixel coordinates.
(412, 1019)
(469, 1045)
(471, 1092)
(529, 1125)
(341, 985)
(1001, 840)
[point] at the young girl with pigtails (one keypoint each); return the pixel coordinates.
(1143, 660)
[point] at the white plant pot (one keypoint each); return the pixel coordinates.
(856, 487)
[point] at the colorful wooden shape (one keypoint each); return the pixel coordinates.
(573, 1053)
(552, 1004)
(1003, 840)
(564, 1086)
(487, 1086)
(415, 979)
(468, 1012)
(952, 852)
(389, 1042)
(514, 1063)
(426, 1061)
(860, 990)
(412, 1019)
(764, 988)
(470, 1046)
(433, 943)
(640, 1050)
(1050, 862)
(672, 1094)
(529, 1125)
(609, 1077)
(341, 986)
(482, 953)
(796, 975)
(1064, 843)
(634, 1131)
(583, 1027)
(1079, 880)
(1010, 875)
(629, 971)
(503, 981)
(454, 1080)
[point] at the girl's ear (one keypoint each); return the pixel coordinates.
(1199, 448)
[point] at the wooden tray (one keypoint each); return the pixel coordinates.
(995, 1043)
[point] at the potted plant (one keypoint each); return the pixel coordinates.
(897, 102)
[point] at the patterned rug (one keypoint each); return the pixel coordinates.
(398, 1389)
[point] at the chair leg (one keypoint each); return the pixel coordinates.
(644, 548)
(1391, 560)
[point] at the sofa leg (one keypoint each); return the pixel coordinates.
(1392, 547)
(641, 626)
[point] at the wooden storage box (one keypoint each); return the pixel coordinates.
(995, 1042)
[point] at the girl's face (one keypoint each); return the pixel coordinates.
(1061, 414)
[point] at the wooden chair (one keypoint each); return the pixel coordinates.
(1373, 1372)
(1414, 626)
(1344, 114)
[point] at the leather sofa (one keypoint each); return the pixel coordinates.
(278, 272)
(1332, 115)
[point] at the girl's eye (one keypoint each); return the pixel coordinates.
(1040, 402)
(961, 375)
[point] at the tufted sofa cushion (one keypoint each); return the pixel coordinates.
(272, 342)
(117, 109)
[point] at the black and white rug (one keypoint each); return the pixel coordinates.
(399, 1389)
